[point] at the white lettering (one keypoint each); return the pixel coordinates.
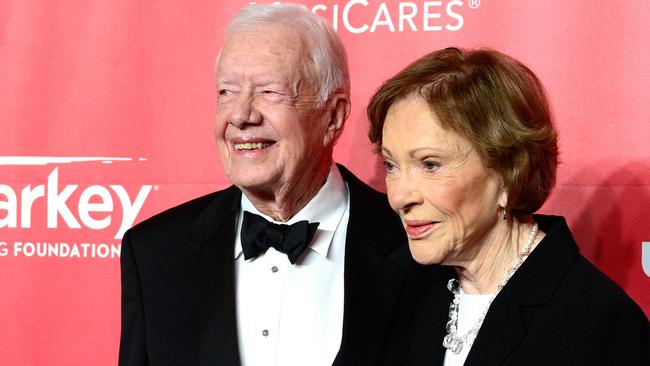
(17, 247)
(102, 251)
(346, 16)
(428, 15)
(3, 249)
(74, 252)
(86, 207)
(335, 18)
(382, 12)
(129, 210)
(53, 250)
(29, 249)
(645, 257)
(63, 250)
(93, 201)
(453, 14)
(318, 7)
(408, 17)
(85, 247)
(27, 198)
(116, 251)
(10, 205)
(404, 12)
(56, 202)
(41, 250)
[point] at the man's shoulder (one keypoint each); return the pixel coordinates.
(369, 207)
(373, 223)
(362, 191)
(185, 214)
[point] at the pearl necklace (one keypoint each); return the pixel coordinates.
(455, 342)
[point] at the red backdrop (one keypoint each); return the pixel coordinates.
(106, 112)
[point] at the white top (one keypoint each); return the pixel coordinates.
(470, 309)
(293, 314)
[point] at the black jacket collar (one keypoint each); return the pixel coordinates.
(376, 261)
(503, 328)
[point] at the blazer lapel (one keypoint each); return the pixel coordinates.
(431, 325)
(372, 284)
(502, 331)
(373, 280)
(534, 284)
(212, 260)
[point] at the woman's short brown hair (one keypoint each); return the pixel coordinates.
(493, 101)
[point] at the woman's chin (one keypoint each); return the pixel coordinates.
(425, 257)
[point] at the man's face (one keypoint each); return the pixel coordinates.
(269, 130)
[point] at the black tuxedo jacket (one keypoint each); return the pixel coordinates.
(178, 289)
(557, 309)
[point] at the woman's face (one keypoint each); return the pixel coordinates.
(449, 202)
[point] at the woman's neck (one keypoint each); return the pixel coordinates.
(485, 271)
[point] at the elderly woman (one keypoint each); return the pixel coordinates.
(470, 153)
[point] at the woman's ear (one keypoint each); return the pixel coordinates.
(503, 196)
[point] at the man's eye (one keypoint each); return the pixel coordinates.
(223, 92)
(272, 93)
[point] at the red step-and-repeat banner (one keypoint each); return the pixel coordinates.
(106, 116)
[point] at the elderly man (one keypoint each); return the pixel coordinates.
(308, 266)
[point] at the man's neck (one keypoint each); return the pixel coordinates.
(286, 202)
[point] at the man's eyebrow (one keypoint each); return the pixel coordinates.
(268, 82)
(223, 80)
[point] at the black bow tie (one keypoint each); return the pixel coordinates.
(258, 235)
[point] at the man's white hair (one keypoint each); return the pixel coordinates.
(326, 52)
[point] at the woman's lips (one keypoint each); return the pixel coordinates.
(418, 229)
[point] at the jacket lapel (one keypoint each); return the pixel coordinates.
(432, 317)
(212, 261)
(502, 331)
(373, 280)
(533, 285)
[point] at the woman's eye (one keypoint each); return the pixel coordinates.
(390, 167)
(430, 165)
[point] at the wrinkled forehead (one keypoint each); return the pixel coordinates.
(273, 44)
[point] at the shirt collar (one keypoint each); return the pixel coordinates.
(327, 208)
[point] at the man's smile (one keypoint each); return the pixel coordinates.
(247, 146)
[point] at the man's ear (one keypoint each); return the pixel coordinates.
(338, 111)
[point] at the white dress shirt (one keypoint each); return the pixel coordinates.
(293, 314)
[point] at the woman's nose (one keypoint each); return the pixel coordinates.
(402, 192)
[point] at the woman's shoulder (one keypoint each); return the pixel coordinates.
(607, 323)
(590, 284)
(577, 279)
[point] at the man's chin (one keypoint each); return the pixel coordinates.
(255, 182)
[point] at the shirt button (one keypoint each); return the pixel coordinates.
(265, 332)
(274, 269)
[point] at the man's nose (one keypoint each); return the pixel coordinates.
(244, 112)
